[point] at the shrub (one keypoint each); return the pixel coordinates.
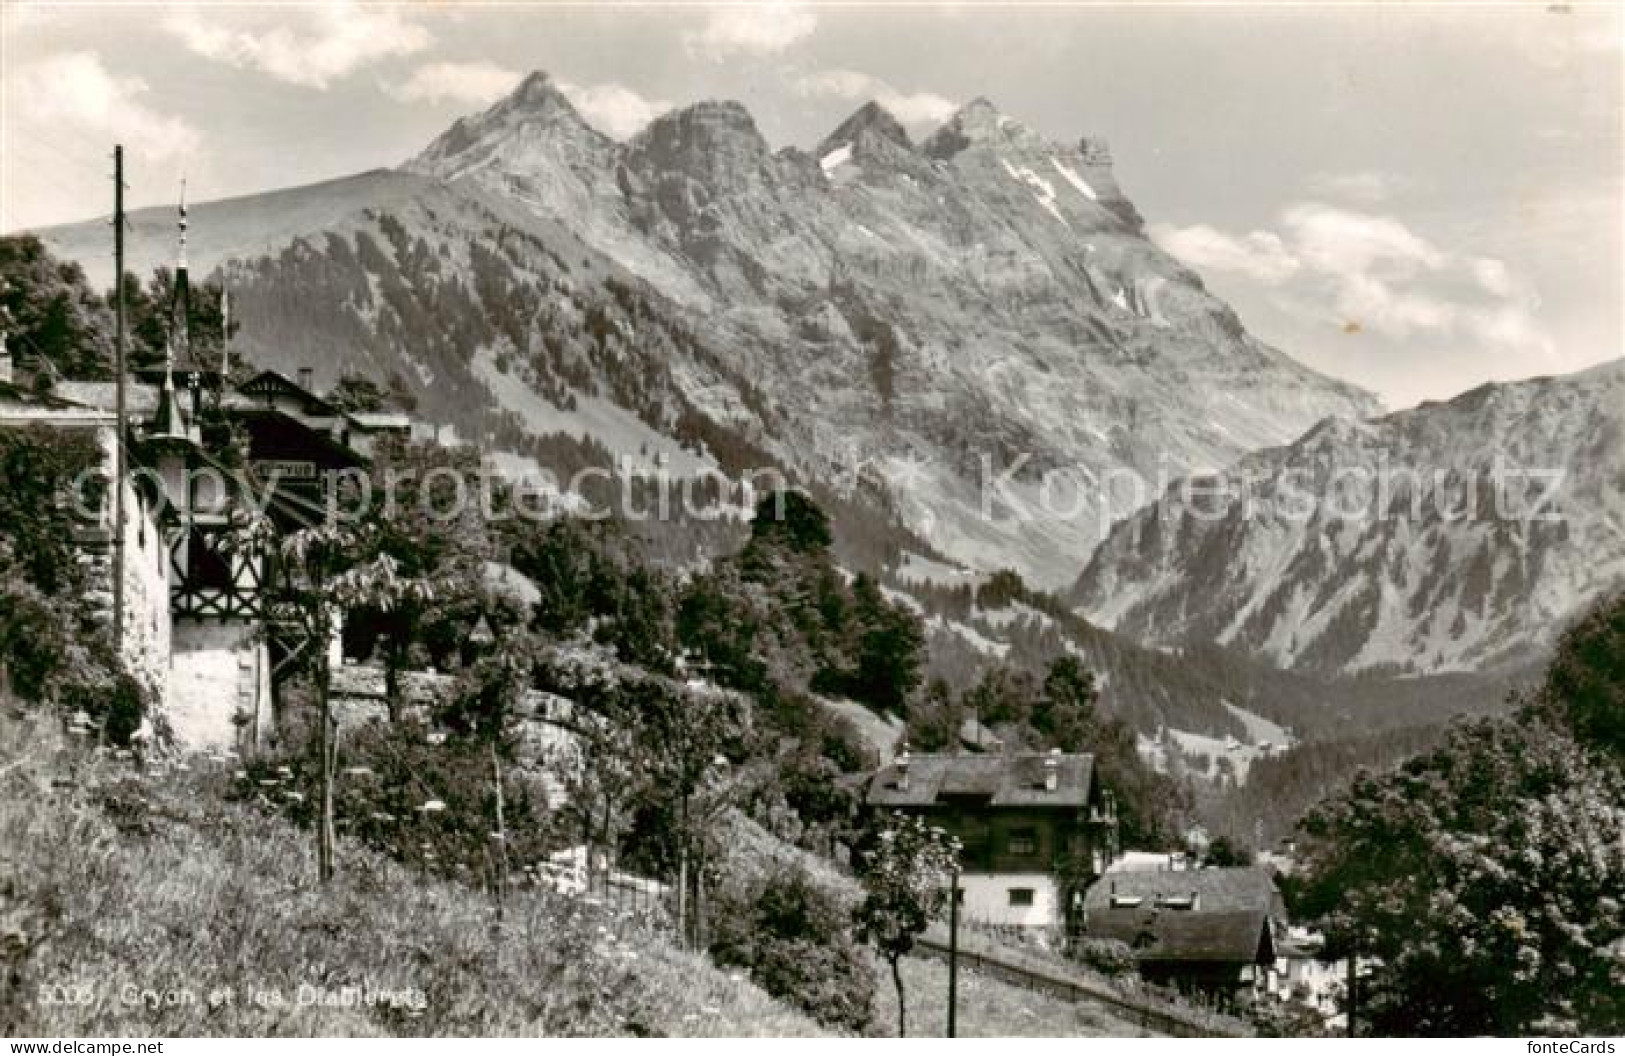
(1106, 956)
(795, 939)
(118, 709)
(427, 804)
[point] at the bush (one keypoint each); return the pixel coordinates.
(426, 804)
(117, 710)
(795, 939)
(1106, 956)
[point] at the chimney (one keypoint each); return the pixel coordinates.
(307, 379)
(902, 771)
(1052, 770)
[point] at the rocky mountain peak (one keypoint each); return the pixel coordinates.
(869, 120)
(538, 98)
(715, 141)
(538, 88)
(976, 124)
(537, 107)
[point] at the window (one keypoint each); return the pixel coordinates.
(1023, 841)
(1021, 896)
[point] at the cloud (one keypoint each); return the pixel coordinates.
(750, 29)
(472, 83)
(73, 93)
(1493, 275)
(1342, 242)
(1371, 271)
(1259, 255)
(318, 46)
(911, 108)
(612, 107)
(615, 109)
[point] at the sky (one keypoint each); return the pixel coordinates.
(1415, 198)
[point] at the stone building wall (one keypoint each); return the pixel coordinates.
(219, 686)
(146, 645)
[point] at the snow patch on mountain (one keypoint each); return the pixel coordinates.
(836, 158)
(1071, 176)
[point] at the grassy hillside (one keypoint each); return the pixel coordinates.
(132, 900)
(989, 1008)
(127, 888)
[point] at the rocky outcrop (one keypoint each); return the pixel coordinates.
(1453, 536)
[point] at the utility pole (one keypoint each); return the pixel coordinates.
(953, 953)
(120, 469)
(499, 838)
(1353, 985)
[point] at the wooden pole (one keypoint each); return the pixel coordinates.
(499, 859)
(120, 469)
(682, 878)
(1353, 985)
(953, 954)
(324, 847)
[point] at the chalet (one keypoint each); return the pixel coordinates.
(1035, 827)
(1209, 930)
(201, 454)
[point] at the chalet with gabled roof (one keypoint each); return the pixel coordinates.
(1034, 827)
(1210, 930)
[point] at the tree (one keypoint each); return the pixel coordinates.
(906, 875)
(1004, 698)
(790, 518)
(357, 394)
(1064, 712)
(51, 640)
(683, 735)
(718, 619)
(1224, 851)
(151, 315)
(1585, 684)
(1485, 875)
(889, 642)
(1483, 882)
(436, 541)
(323, 570)
(935, 718)
(49, 313)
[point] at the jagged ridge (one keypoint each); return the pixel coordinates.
(1441, 568)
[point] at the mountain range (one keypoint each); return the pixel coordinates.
(1453, 536)
(978, 315)
(972, 334)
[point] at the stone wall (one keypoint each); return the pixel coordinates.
(219, 686)
(146, 644)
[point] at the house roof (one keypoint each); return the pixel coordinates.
(275, 383)
(1229, 918)
(139, 397)
(1179, 935)
(998, 780)
(382, 421)
(1238, 887)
